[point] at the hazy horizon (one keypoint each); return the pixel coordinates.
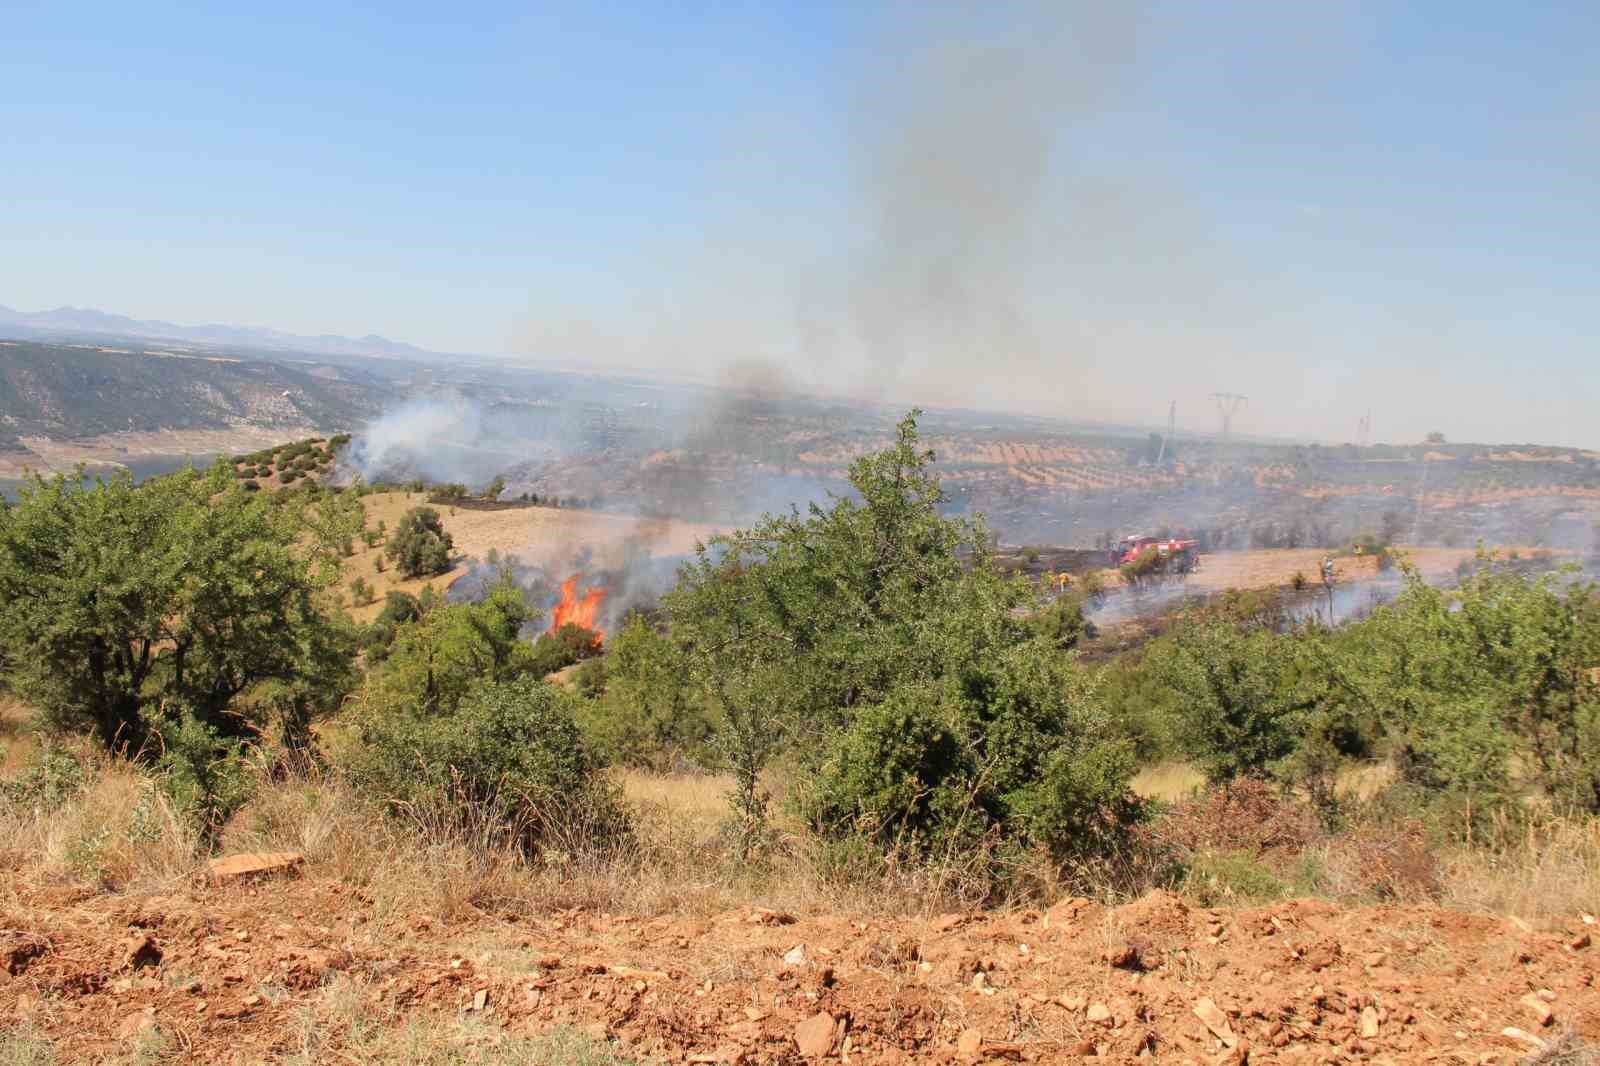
(1050, 209)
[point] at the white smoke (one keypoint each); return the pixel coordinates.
(405, 440)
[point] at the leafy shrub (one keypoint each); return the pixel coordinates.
(206, 776)
(57, 774)
(1063, 622)
(361, 592)
(1238, 709)
(933, 771)
(649, 714)
(880, 631)
(1224, 880)
(252, 485)
(510, 753)
(420, 546)
(590, 678)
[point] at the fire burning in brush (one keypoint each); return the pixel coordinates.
(583, 611)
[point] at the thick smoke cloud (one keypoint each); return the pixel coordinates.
(439, 438)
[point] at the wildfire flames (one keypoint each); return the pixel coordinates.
(578, 610)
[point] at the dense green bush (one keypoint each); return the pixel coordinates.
(1239, 707)
(124, 602)
(648, 714)
(508, 755)
(207, 776)
(420, 545)
(427, 666)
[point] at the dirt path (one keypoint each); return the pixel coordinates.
(237, 974)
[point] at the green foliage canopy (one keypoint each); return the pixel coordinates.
(125, 604)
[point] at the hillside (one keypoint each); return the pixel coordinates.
(55, 393)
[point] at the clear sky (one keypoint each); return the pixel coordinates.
(1083, 209)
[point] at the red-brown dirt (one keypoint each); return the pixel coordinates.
(222, 968)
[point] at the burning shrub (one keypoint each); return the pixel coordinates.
(569, 644)
(420, 546)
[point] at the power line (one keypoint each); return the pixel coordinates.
(1227, 404)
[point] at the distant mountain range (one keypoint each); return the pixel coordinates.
(81, 321)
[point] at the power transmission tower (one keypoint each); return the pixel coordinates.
(1166, 442)
(1228, 403)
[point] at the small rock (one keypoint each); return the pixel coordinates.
(548, 962)
(254, 862)
(795, 956)
(1238, 1055)
(480, 999)
(135, 1024)
(1538, 1008)
(969, 1045)
(242, 936)
(815, 1036)
(1072, 1001)
(1126, 957)
(1532, 1041)
(1546, 995)
(1209, 1013)
(252, 1000)
(1369, 1022)
(766, 917)
(1579, 942)
(1098, 1014)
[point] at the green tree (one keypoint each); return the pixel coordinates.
(420, 546)
(650, 712)
(880, 622)
(123, 604)
(434, 661)
(1482, 691)
(1238, 703)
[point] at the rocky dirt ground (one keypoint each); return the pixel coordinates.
(228, 971)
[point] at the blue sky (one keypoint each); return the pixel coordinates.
(1049, 207)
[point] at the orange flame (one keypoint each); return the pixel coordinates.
(579, 611)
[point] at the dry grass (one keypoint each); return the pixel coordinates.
(341, 1026)
(18, 744)
(1547, 874)
(1168, 781)
(103, 823)
(109, 827)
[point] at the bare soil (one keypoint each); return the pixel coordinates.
(229, 971)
